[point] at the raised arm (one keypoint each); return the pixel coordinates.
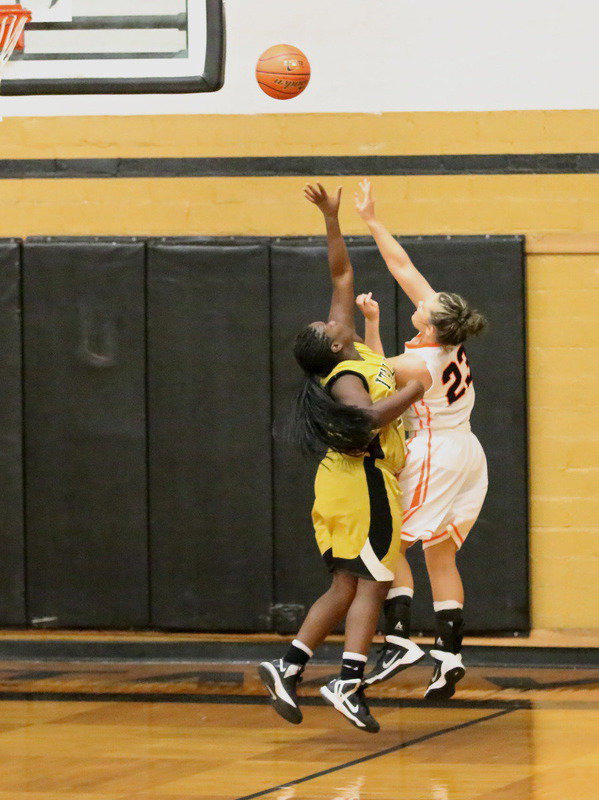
(413, 283)
(342, 274)
(349, 390)
(372, 334)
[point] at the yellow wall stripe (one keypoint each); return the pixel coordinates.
(433, 133)
(275, 206)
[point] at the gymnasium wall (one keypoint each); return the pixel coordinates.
(554, 204)
(381, 56)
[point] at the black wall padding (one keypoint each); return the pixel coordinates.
(12, 565)
(85, 444)
(489, 272)
(301, 293)
(210, 449)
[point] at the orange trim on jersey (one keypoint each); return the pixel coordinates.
(413, 344)
(430, 438)
(457, 533)
(439, 535)
(446, 534)
(416, 496)
(418, 490)
(415, 407)
(442, 538)
(423, 480)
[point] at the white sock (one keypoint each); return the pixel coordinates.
(400, 591)
(354, 656)
(302, 646)
(446, 605)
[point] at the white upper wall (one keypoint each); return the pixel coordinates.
(390, 55)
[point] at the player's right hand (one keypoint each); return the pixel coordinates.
(368, 306)
(328, 204)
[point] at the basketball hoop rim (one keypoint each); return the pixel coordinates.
(13, 19)
(17, 10)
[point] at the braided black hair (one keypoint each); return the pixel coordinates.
(319, 422)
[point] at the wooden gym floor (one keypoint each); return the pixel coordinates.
(201, 731)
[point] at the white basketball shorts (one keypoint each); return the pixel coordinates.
(443, 483)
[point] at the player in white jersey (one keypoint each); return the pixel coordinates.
(444, 481)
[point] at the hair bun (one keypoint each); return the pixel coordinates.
(455, 321)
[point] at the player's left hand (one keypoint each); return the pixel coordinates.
(368, 306)
(365, 204)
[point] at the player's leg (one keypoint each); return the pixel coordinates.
(378, 550)
(448, 603)
(282, 675)
(398, 602)
(399, 651)
(328, 611)
(446, 583)
(428, 489)
(345, 692)
(444, 575)
(414, 482)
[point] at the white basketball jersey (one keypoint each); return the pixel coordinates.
(450, 399)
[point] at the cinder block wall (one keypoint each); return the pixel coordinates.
(563, 383)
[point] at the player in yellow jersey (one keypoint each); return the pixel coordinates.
(347, 415)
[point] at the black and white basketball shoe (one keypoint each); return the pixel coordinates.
(396, 655)
(281, 679)
(347, 697)
(448, 671)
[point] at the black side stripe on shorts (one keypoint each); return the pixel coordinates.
(354, 566)
(381, 521)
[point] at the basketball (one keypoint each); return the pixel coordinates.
(283, 71)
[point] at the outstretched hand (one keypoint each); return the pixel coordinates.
(368, 306)
(365, 203)
(329, 205)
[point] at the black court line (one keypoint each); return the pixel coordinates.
(199, 676)
(527, 684)
(246, 700)
(302, 166)
(379, 754)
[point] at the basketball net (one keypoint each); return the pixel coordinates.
(13, 19)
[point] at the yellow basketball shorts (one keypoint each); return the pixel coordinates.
(357, 517)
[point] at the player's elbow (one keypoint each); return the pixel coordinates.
(400, 267)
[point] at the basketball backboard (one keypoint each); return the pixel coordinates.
(119, 47)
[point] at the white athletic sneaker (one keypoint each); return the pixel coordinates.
(281, 679)
(397, 654)
(448, 671)
(347, 697)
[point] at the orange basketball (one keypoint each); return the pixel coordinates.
(283, 71)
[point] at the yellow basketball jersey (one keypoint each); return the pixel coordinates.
(379, 381)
